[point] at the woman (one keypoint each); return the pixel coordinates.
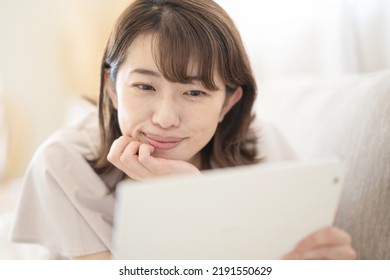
(176, 97)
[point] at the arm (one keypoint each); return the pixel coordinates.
(64, 205)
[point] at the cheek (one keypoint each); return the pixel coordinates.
(129, 115)
(204, 120)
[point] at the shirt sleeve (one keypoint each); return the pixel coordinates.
(64, 205)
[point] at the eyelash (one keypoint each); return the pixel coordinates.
(145, 87)
(200, 93)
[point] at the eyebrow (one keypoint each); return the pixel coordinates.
(145, 72)
(152, 73)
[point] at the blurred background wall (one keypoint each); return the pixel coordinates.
(314, 37)
(50, 51)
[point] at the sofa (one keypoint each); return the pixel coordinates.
(348, 117)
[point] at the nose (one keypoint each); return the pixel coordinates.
(165, 113)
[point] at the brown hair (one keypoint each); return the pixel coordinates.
(186, 31)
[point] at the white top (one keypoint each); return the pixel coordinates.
(66, 207)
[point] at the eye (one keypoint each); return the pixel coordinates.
(144, 87)
(195, 93)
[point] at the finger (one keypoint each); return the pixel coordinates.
(130, 151)
(145, 150)
(124, 155)
(329, 236)
(330, 253)
(294, 255)
(133, 165)
(145, 158)
(323, 253)
(128, 156)
(117, 148)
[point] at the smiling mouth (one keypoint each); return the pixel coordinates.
(162, 143)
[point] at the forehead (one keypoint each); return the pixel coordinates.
(140, 53)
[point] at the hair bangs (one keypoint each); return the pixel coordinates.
(184, 54)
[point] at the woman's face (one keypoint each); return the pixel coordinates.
(177, 119)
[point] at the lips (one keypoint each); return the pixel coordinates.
(161, 142)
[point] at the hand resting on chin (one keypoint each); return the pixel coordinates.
(136, 160)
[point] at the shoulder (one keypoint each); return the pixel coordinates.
(80, 140)
(64, 157)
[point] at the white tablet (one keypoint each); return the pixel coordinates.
(251, 212)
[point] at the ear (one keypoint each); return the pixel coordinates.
(230, 101)
(109, 84)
